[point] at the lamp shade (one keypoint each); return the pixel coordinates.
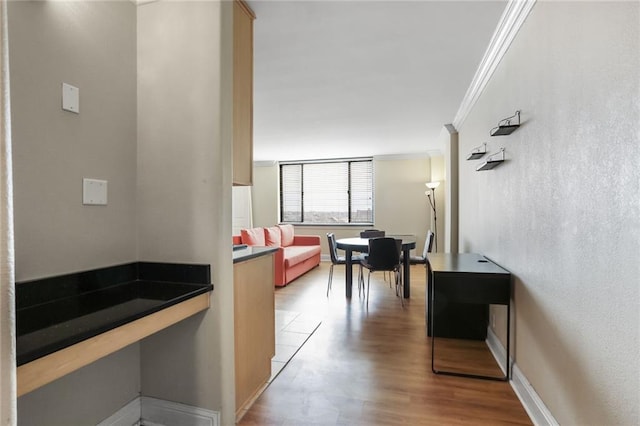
(432, 185)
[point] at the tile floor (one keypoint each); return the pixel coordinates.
(292, 331)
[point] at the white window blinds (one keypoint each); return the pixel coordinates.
(327, 192)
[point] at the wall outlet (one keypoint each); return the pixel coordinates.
(94, 192)
(70, 98)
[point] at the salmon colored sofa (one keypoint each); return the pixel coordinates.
(297, 254)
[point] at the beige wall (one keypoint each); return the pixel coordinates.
(155, 121)
(265, 194)
(449, 138)
(184, 191)
(563, 213)
(86, 396)
(53, 150)
(400, 204)
(91, 45)
(438, 174)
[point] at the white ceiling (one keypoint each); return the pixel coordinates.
(360, 78)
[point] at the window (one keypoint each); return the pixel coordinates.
(327, 192)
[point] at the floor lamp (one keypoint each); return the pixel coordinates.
(431, 195)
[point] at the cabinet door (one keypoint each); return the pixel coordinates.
(254, 317)
(242, 94)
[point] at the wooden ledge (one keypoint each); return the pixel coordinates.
(44, 370)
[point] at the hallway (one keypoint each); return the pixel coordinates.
(372, 367)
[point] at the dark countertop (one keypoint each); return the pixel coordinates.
(250, 252)
(57, 312)
(463, 263)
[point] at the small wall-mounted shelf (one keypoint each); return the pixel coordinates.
(505, 126)
(492, 162)
(478, 152)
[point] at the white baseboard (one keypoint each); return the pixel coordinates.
(497, 350)
(161, 412)
(129, 415)
(537, 411)
(147, 411)
(533, 405)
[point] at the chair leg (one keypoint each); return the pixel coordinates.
(330, 279)
(368, 283)
(387, 276)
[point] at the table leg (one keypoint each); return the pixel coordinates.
(406, 274)
(348, 273)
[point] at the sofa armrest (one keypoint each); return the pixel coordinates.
(279, 270)
(306, 240)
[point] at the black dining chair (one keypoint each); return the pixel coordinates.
(428, 245)
(372, 233)
(384, 255)
(375, 233)
(342, 260)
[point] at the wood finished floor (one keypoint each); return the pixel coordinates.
(373, 367)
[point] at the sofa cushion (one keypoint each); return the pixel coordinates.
(296, 254)
(272, 236)
(286, 235)
(253, 236)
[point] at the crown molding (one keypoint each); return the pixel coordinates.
(514, 15)
(408, 156)
(265, 163)
(450, 128)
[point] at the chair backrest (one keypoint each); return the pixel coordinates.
(428, 244)
(333, 248)
(372, 233)
(384, 253)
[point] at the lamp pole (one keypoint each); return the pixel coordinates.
(431, 195)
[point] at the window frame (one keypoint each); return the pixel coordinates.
(302, 163)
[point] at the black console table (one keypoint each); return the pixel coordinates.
(460, 288)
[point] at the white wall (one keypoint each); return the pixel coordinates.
(91, 45)
(563, 213)
(400, 205)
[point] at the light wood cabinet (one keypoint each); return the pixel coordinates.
(254, 326)
(242, 94)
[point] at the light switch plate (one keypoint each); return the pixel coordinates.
(94, 192)
(70, 98)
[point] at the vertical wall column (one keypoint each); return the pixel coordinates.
(451, 190)
(7, 314)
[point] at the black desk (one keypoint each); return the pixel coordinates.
(467, 279)
(361, 245)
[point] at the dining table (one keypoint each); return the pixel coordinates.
(361, 245)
